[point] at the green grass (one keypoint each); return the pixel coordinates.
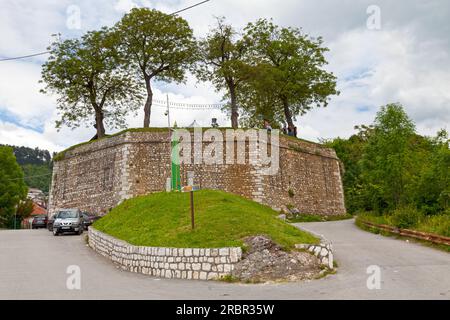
(221, 219)
(318, 218)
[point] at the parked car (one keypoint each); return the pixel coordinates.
(50, 222)
(39, 221)
(89, 219)
(68, 220)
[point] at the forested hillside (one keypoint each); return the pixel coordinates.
(36, 165)
(395, 174)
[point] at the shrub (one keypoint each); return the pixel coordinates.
(406, 217)
(291, 193)
(439, 224)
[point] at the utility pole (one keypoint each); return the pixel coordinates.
(168, 111)
(192, 209)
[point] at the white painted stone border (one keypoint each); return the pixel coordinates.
(181, 263)
(323, 251)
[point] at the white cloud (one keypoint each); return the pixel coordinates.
(14, 135)
(19, 93)
(125, 5)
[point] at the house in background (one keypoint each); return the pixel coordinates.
(38, 196)
(38, 209)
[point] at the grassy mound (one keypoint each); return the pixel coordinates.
(221, 219)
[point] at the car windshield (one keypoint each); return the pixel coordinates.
(67, 214)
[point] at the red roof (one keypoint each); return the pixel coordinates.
(37, 209)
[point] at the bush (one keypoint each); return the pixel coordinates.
(291, 193)
(406, 217)
(439, 224)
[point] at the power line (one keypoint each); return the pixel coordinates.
(46, 52)
(190, 7)
(23, 57)
(182, 105)
(41, 175)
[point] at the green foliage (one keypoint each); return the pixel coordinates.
(24, 209)
(38, 176)
(291, 193)
(25, 155)
(223, 62)
(84, 75)
(388, 166)
(437, 224)
(287, 76)
(350, 152)
(411, 218)
(12, 186)
(401, 177)
(36, 165)
(406, 217)
(432, 192)
(317, 218)
(163, 219)
(155, 45)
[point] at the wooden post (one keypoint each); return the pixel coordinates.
(192, 209)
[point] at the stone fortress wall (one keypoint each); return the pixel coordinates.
(99, 175)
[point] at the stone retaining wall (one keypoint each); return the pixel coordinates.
(181, 263)
(323, 251)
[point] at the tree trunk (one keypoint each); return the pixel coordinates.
(288, 114)
(99, 124)
(148, 103)
(234, 107)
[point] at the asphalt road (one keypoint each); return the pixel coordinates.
(33, 265)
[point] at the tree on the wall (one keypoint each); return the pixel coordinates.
(288, 75)
(156, 46)
(84, 75)
(222, 61)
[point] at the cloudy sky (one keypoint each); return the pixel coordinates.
(401, 57)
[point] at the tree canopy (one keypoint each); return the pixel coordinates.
(388, 166)
(288, 78)
(84, 75)
(265, 71)
(35, 156)
(223, 62)
(155, 46)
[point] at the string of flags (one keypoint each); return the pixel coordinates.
(187, 106)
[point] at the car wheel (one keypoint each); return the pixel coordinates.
(80, 231)
(55, 232)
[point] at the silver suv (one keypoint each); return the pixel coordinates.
(68, 220)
